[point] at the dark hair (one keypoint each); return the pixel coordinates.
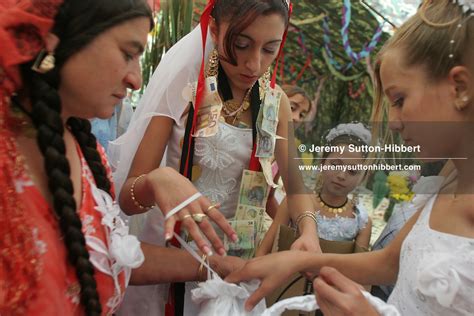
(292, 90)
(240, 14)
(77, 23)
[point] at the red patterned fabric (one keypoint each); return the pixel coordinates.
(53, 288)
(23, 27)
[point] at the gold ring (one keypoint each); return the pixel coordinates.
(198, 218)
(211, 207)
(186, 216)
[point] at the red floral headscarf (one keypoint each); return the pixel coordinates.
(23, 27)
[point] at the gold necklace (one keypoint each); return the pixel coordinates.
(332, 209)
(233, 110)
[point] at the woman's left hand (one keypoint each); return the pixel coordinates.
(339, 296)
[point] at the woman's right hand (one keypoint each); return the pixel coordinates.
(170, 188)
(338, 295)
(272, 270)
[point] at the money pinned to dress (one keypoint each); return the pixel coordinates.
(267, 124)
(266, 164)
(207, 124)
(253, 189)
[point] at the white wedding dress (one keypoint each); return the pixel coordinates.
(436, 275)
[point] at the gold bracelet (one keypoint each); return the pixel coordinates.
(201, 267)
(132, 194)
(303, 215)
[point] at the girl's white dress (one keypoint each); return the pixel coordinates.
(436, 275)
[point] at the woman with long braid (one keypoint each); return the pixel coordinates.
(63, 249)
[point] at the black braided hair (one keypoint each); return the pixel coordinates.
(46, 108)
(77, 23)
(81, 129)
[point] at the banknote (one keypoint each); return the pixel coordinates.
(247, 212)
(265, 144)
(209, 110)
(245, 232)
(266, 164)
(271, 106)
(253, 189)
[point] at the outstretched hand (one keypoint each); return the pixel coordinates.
(170, 189)
(272, 270)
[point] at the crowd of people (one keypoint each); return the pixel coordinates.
(210, 138)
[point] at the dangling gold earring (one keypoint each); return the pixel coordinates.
(213, 64)
(459, 104)
(44, 62)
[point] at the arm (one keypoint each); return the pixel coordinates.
(299, 200)
(272, 204)
(363, 238)
(281, 218)
(147, 158)
(376, 267)
(168, 188)
(165, 265)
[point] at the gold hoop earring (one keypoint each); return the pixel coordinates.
(213, 64)
(44, 63)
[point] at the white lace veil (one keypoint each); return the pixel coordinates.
(163, 97)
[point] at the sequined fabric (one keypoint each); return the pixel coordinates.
(19, 268)
(23, 26)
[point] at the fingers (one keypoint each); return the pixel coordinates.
(212, 210)
(211, 235)
(263, 290)
(193, 229)
(327, 296)
(336, 293)
(323, 304)
(201, 207)
(169, 228)
(337, 279)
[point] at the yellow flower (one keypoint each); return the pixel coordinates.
(307, 156)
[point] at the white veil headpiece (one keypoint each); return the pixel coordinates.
(163, 97)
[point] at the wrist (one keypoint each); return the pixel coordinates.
(137, 193)
(202, 270)
(304, 260)
(306, 223)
